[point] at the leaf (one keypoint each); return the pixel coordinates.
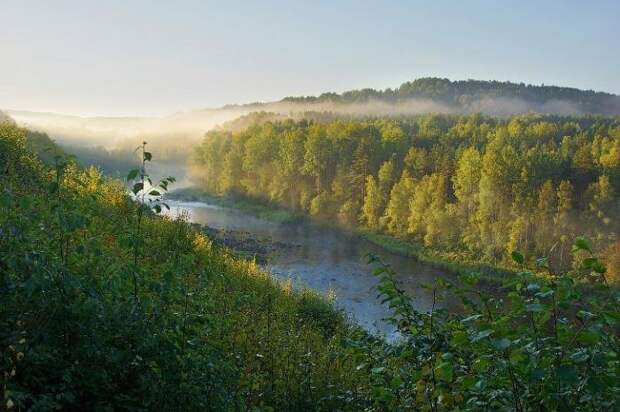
(516, 356)
(445, 371)
(502, 344)
(567, 373)
(545, 294)
(137, 188)
(588, 337)
(459, 339)
(584, 314)
(154, 193)
(148, 156)
(157, 208)
(542, 262)
(132, 174)
(532, 287)
(481, 364)
(582, 244)
(580, 356)
(534, 307)
(396, 382)
(517, 257)
(594, 264)
(482, 334)
(470, 318)
(467, 382)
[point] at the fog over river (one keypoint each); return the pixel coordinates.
(322, 259)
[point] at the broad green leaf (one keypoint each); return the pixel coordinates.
(132, 174)
(502, 344)
(482, 334)
(137, 188)
(568, 374)
(582, 244)
(445, 371)
(517, 257)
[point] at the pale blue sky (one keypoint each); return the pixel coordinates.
(155, 57)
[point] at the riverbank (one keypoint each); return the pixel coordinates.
(246, 245)
(451, 262)
(255, 207)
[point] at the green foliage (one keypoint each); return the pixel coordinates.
(545, 341)
(105, 310)
(471, 187)
(107, 305)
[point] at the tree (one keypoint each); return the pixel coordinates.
(564, 233)
(373, 203)
(544, 236)
(466, 183)
(426, 208)
(318, 157)
(397, 210)
(386, 177)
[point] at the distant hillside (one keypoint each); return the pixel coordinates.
(483, 96)
(172, 136)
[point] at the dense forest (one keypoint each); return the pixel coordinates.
(480, 95)
(477, 186)
(107, 305)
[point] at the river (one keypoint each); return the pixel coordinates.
(322, 259)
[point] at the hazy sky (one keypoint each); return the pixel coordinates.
(154, 57)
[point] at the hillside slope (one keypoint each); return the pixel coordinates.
(107, 306)
(102, 310)
(488, 97)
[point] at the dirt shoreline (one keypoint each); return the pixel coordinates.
(245, 244)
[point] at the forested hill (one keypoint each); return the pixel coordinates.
(107, 306)
(493, 97)
(474, 186)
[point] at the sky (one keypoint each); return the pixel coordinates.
(124, 57)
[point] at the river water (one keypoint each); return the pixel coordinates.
(323, 259)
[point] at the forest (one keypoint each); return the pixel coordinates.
(470, 186)
(481, 95)
(108, 305)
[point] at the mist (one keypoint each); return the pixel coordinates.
(178, 131)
